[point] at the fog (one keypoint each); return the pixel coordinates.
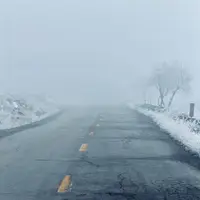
(94, 51)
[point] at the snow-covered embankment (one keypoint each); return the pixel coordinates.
(180, 130)
(16, 112)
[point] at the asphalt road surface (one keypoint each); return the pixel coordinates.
(97, 153)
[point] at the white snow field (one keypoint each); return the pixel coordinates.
(16, 111)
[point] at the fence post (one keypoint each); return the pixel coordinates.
(191, 113)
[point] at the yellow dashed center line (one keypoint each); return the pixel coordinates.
(83, 147)
(65, 184)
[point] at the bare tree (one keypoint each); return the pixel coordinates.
(180, 80)
(158, 80)
(169, 79)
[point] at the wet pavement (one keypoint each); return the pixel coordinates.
(110, 153)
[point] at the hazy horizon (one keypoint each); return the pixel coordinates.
(94, 51)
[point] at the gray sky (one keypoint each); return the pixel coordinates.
(90, 50)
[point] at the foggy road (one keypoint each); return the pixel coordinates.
(97, 153)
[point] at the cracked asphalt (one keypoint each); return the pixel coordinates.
(97, 153)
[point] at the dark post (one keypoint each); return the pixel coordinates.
(191, 114)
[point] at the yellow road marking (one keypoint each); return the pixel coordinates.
(83, 147)
(65, 184)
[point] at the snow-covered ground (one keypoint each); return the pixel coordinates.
(180, 130)
(16, 111)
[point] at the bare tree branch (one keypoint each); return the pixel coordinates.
(169, 79)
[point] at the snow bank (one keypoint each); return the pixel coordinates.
(18, 111)
(179, 130)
